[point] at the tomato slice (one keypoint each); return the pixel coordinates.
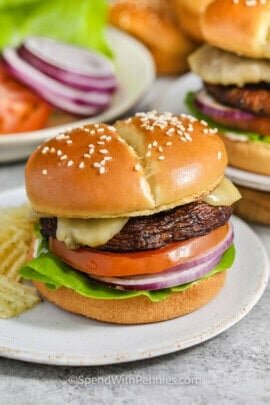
(259, 125)
(100, 263)
(20, 108)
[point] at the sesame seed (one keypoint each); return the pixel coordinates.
(155, 144)
(103, 151)
(107, 158)
(64, 157)
(91, 151)
(70, 163)
(69, 142)
(45, 150)
(96, 164)
(92, 132)
(168, 143)
(219, 155)
(52, 150)
(161, 158)
(149, 146)
(100, 130)
(59, 152)
(137, 167)
(82, 165)
(188, 137)
(160, 149)
(91, 145)
(44, 172)
(111, 128)
(206, 131)
(103, 137)
(86, 155)
(101, 143)
(148, 154)
(204, 123)
(102, 170)
(96, 125)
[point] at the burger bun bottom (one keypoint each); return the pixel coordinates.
(138, 310)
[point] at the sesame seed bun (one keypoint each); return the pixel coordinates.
(170, 47)
(137, 310)
(254, 206)
(189, 15)
(149, 163)
(251, 156)
(239, 26)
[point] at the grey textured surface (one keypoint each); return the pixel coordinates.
(232, 368)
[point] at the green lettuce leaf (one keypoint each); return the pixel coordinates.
(252, 136)
(79, 22)
(54, 273)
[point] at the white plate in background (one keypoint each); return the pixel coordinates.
(135, 73)
(49, 335)
(174, 101)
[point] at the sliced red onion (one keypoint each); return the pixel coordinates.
(209, 106)
(163, 280)
(74, 66)
(44, 85)
(177, 275)
(69, 57)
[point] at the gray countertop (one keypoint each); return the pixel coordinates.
(232, 368)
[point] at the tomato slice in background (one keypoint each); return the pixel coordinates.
(101, 263)
(20, 108)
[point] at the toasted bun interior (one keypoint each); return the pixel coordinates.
(148, 163)
(137, 310)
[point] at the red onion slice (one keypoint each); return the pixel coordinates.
(178, 275)
(209, 106)
(44, 84)
(163, 280)
(64, 75)
(70, 58)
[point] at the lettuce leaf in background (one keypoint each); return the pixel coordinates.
(252, 136)
(79, 22)
(54, 273)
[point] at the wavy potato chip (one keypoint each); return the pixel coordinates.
(16, 236)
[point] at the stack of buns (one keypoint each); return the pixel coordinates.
(189, 14)
(154, 23)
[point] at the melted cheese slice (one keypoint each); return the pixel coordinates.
(88, 232)
(225, 194)
(216, 66)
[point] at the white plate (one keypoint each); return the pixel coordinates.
(174, 101)
(49, 335)
(247, 179)
(135, 73)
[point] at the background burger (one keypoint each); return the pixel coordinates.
(133, 218)
(235, 68)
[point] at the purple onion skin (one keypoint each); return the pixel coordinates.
(183, 279)
(60, 103)
(186, 272)
(228, 113)
(78, 81)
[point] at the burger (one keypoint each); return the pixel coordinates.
(235, 68)
(133, 218)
